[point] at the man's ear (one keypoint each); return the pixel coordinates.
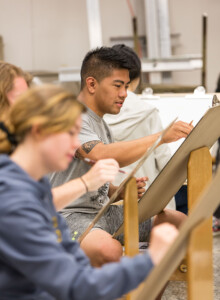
(91, 84)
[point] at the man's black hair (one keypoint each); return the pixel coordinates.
(100, 62)
(132, 58)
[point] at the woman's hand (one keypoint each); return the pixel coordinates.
(162, 237)
(104, 170)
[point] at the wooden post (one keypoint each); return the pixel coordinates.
(1, 48)
(131, 232)
(204, 49)
(199, 255)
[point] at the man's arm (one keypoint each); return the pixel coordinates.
(162, 154)
(127, 152)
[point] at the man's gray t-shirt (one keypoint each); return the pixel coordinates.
(94, 128)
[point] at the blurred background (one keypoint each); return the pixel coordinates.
(51, 37)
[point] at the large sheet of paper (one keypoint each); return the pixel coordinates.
(173, 175)
(202, 210)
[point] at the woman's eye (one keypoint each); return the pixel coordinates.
(71, 133)
(118, 86)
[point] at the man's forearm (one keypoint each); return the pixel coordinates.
(125, 153)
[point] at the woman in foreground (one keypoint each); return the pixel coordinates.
(38, 258)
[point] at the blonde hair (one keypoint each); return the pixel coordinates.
(8, 73)
(49, 107)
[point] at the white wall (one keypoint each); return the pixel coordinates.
(120, 24)
(15, 27)
(60, 33)
(47, 34)
(44, 34)
(186, 19)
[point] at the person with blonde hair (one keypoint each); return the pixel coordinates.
(38, 258)
(14, 81)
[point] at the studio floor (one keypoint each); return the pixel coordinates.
(178, 290)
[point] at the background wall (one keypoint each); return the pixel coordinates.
(48, 34)
(44, 34)
(185, 18)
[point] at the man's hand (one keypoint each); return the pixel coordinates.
(177, 131)
(162, 236)
(141, 183)
(140, 188)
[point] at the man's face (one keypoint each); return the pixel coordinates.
(110, 92)
(19, 87)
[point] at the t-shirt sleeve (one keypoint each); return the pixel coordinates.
(87, 133)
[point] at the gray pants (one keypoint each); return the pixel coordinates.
(110, 222)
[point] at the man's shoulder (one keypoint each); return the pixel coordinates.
(89, 121)
(86, 118)
(90, 115)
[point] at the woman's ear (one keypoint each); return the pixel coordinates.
(36, 132)
(91, 84)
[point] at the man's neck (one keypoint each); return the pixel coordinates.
(89, 102)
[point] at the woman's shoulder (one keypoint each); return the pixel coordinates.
(18, 189)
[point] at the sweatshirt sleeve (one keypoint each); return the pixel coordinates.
(72, 247)
(30, 247)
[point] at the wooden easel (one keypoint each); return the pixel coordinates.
(194, 165)
(200, 212)
(199, 254)
(159, 194)
(174, 174)
(131, 231)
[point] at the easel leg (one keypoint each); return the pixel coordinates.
(131, 232)
(199, 256)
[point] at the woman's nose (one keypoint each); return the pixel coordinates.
(76, 143)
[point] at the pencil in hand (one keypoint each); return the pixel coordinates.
(92, 162)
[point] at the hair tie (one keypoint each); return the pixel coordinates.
(11, 137)
(86, 186)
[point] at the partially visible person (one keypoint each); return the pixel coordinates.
(216, 216)
(13, 82)
(136, 119)
(104, 82)
(38, 258)
(217, 90)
